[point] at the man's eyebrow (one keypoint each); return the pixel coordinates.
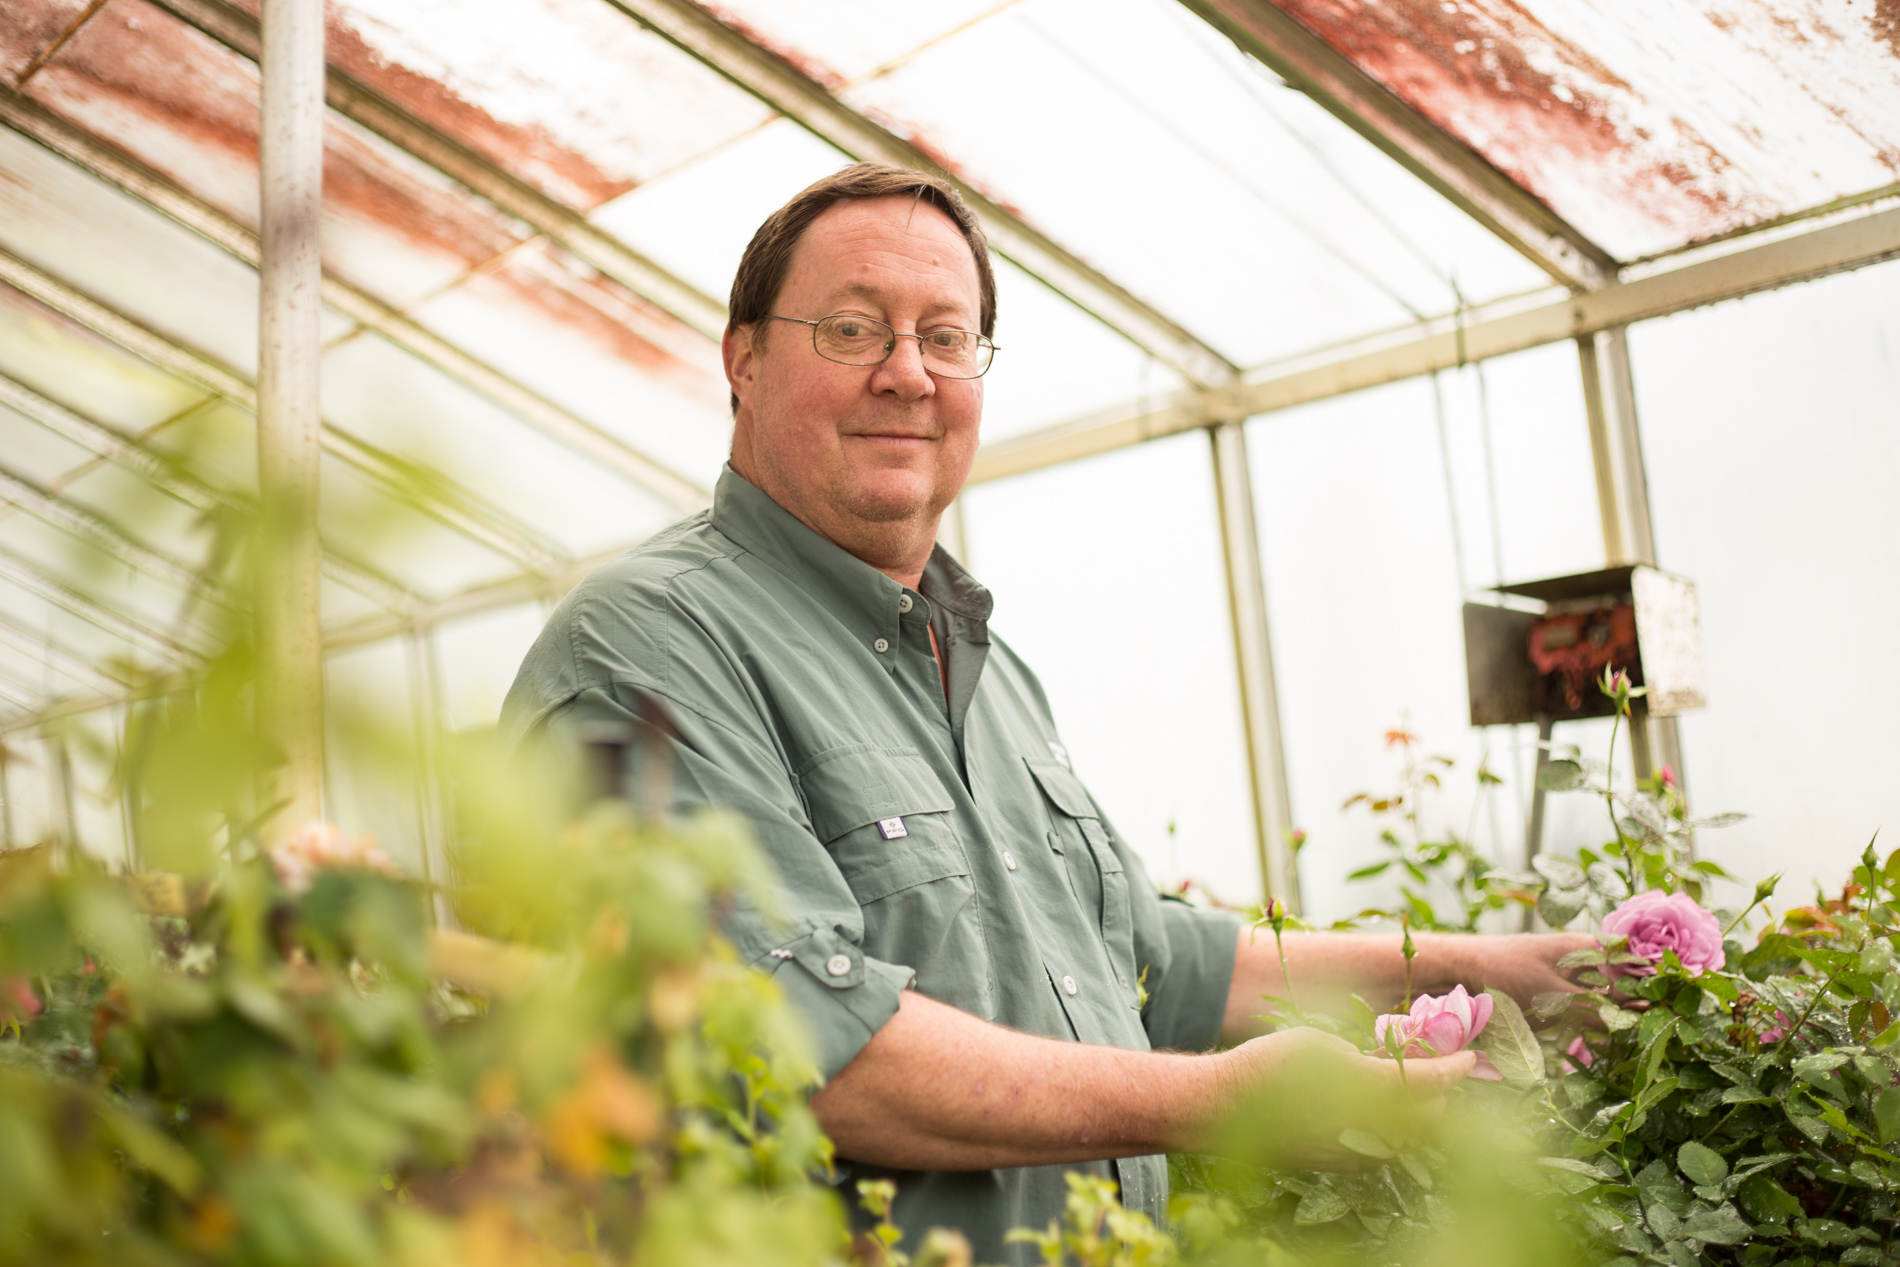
(862, 290)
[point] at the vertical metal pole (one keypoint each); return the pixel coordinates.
(1616, 447)
(68, 810)
(289, 422)
(424, 696)
(1253, 656)
(6, 795)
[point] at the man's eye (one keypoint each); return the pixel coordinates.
(945, 340)
(852, 330)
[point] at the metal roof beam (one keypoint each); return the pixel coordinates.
(101, 160)
(810, 104)
(1307, 62)
(1448, 342)
(430, 492)
(237, 30)
(27, 640)
(47, 506)
(29, 577)
(167, 476)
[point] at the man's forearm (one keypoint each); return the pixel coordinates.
(939, 1089)
(1327, 968)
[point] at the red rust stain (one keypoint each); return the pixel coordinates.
(804, 63)
(29, 28)
(134, 67)
(592, 304)
(528, 153)
(1885, 21)
(1465, 70)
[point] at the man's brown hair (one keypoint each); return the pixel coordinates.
(768, 257)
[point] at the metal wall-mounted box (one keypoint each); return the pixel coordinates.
(1525, 665)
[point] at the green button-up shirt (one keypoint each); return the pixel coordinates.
(926, 838)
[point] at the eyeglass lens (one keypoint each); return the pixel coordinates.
(862, 341)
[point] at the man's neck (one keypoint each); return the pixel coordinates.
(900, 549)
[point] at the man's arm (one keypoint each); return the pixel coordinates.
(1326, 968)
(939, 1089)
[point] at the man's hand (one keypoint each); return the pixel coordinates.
(1522, 965)
(1295, 1091)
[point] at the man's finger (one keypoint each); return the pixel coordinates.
(1425, 1076)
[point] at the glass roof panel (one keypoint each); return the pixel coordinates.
(1601, 109)
(373, 389)
(413, 549)
(1155, 156)
(125, 255)
(839, 42)
(34, 453)
(75, 367)
(571, 95)
(590, 346)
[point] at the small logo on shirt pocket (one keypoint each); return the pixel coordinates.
(892, 828)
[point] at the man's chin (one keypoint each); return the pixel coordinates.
(889, 496)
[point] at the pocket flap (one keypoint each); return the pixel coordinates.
(845, 788)
(1061, 786)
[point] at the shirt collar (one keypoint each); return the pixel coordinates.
(859, 595)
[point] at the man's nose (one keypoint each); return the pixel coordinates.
(903, 373)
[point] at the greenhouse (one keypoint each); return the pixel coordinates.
(1374, 382)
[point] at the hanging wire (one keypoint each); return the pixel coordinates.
(1451, 487)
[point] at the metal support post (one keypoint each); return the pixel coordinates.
(1616, 448)
(289, 422)
(1253, 656)
(431, 807)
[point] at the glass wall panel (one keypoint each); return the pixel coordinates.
(1772, 440)
(476, 659)
(1108, 582)
(371, 768)
(1363, 503)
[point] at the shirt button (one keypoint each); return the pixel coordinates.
(1009, 860)
(880, 646)
(839, 965)
(903, 602)
(1068, 985)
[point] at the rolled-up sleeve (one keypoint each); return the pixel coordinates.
(1187, 998)
(811, 935)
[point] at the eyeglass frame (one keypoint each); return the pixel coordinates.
(896, 334)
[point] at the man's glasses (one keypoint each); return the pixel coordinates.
(852, 340)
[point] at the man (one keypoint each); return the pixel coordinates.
(998, 993)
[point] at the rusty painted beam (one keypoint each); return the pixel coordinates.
(1267, 32)
(237, 30)
(799, 97)
(1451, 341)
(441, 499)
(100, 159)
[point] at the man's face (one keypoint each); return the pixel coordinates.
(862, 453)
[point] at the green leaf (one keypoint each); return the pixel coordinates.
(1561, 775)
(1509, 1043)
(1415, 1166)
(1887, 1115)
(1589, 957)
(1366, 873)
(1561, 872)
(1558, 907)
(1720, 1226)
(1617, 1018)
(1322, 1205)
(1702, 1164)
(1366, 1143)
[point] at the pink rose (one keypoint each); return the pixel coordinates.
(1655, 921)
(1579, 1053)
(318, 846)
(1440, 1026)
(1775, 1033)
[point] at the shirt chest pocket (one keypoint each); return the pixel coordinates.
(1095, 869)
(886, 819)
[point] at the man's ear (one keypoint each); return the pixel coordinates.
(741, 359)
